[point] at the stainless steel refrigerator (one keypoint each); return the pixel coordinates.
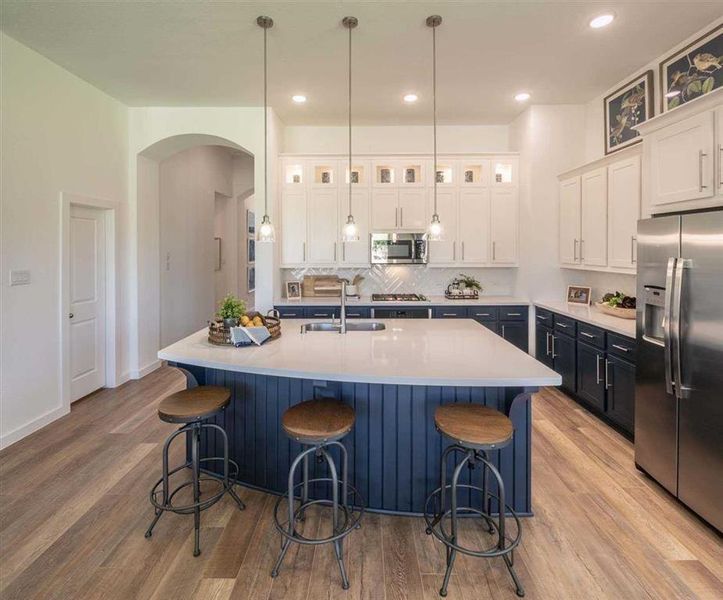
(679, 376)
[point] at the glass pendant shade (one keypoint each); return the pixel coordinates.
(435, 231)
(266, 231)
(351, 231)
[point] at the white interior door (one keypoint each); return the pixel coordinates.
(594, 244)
(87, 301)
(570, 221)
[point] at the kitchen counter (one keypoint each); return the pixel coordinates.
(457, 352)
(394, 379)
(590, 314)
(431, 301)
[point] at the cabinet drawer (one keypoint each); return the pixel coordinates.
(354, 312)
(321, 312)
(591, 335)
(622, 346)
(513, 313)
(565, 325)
(543, 317)
(449, 312)
(482, 313)
(290, 312)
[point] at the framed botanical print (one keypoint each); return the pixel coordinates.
(692, 72)
(626, 107)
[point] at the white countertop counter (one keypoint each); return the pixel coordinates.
(431, 301)
(455, 352)
(590, 314)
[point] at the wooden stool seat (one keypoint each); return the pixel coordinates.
(473, 425)
(318, 420)
(194, 404)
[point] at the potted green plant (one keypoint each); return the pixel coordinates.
(231, 310)
(469, 282)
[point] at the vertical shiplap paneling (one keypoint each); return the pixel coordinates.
(394, 449)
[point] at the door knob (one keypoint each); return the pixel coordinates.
(71, 315)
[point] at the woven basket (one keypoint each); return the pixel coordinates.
(221, 336)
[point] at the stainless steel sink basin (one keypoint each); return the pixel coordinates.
(336, 327)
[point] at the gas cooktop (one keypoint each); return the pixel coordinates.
(398, 298)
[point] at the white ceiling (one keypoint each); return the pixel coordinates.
(200, 53)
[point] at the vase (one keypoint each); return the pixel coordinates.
(232, 322)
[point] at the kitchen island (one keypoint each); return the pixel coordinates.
(394, 379)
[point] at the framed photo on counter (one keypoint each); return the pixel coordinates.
(293, 290)
(577, 294)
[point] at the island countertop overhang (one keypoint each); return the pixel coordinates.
(458, 352)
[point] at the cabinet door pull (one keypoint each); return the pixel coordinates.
(396, 217)
(553, 346)
(321, 314)
(514, 314)
(597, 369)
(701, 156)
(581, 247)
(454, 251)
(623, 348)
(574, 251)
(720, 165)
(608, 385)
(449, 315)
(547, 343)
(462, 250)
(503, 332)
(334, 251)
(481, 314)
(588, 335)
(303, 244)
(633, 239)
(562, 325)
(541, 317)
(494, 251)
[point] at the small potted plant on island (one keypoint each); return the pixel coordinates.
(231, 310)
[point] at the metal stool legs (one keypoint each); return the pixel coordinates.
(503, 546)
(344, 516)
(162, 499)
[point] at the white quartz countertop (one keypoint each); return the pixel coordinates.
(431, 301)
(590, 314)
(450, 352)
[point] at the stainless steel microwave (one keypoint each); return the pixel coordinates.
(399, 249)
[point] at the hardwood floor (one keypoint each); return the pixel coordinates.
(74, 507)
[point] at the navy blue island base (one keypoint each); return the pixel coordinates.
(394, 448)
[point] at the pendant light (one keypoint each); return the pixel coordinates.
(266, 230)
(351, 232)
(434, 231)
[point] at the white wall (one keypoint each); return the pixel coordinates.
(189, 182)
(243, 193)
(594, 109)
(396, 139)
(59, 134)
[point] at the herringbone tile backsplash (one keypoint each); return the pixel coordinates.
(412, 279)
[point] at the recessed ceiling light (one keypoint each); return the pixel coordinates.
(411, 98)
(299, 99)
(601, 21)
(522, 96)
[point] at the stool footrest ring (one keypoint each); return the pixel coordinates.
(350, 512)
(434, 525)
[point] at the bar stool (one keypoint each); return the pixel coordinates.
(475, 430)
(193, 407)
(319, 425)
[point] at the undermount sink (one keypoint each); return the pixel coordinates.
(336, 327)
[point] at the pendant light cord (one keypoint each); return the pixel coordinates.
(434, 110)
(350, 183)
(266, 135)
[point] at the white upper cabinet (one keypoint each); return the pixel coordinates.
(323, 226)
(682, 160)
(444, 251)
(504, 171)
(474, 174)
(594, 231)
(293, 228)
(412, 209)
(385, 212)
(474, 226)
(570, 221)
(623, 211)
(503, 225)
(355, 254)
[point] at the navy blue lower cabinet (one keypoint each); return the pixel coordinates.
(515, 332)
(394, 449)
(491, 325)
(321, 312)
(483, 314)
(449, 312)
(358, 312)
(620, 384)
(591, 375)
(290, 312)
(565, 360)
(543, 344)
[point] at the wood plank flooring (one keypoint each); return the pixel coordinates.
(74, 507)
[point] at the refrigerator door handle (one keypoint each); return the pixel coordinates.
(666, 323)
(680, 390)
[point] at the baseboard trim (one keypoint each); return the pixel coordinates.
(149, 368)
(25, 430)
